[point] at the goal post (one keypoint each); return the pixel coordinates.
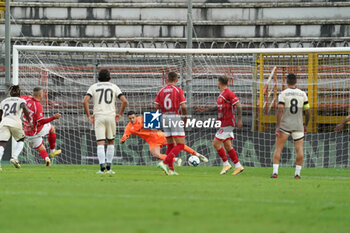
(309, 70)
(257, 76)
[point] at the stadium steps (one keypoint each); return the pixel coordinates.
(149, 20)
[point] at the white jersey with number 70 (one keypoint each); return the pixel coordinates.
(104, 95)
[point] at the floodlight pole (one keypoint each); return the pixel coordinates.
(189, 57)
(7, 44)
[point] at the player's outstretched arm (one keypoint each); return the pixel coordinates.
(341, 125)
(126, 135)
(44, 121)
(57, 116)
(239, 113)
(122, 108)
(86, 108)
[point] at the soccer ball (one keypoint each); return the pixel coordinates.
(193, 161)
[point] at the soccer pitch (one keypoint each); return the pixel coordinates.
(71, 198)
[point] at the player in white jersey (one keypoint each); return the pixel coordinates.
(291, 104)
(11, 110)
(104, 117)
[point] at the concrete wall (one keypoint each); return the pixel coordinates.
(172, 1)
(303, 20)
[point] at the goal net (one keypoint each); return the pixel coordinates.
(256, 76)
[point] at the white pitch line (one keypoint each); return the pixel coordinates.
(328, 177)
(58, 194)
(183, 198)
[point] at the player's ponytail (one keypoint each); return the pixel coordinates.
(15, 91)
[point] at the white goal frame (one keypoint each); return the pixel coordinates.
(255, 57)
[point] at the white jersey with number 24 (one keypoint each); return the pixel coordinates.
(12, 109)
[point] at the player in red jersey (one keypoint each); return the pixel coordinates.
(226, 104)
(41, 126)
(171, 101)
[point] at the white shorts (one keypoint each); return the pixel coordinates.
(7, 131)
(36, 140)
(105, 127)
(171, 126)
(296, 135)
(225, 133)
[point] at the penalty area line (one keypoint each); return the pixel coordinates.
(328, 177)
(182, 198)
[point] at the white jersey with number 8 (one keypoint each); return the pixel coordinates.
(294, 101)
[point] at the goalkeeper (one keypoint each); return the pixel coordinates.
(155, 138)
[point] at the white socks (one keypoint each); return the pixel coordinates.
(237, 165)
(101, 154)
(52, 151)
(226, 163)
(18, 149)
(297, 170)
(110, 153)
(2, 149)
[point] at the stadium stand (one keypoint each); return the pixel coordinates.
(162, 23)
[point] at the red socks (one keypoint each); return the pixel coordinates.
(222, 154)
(43, 154)
(170, 157)
(163, 156)
(169, 148)
(233, 155)
(52, 140)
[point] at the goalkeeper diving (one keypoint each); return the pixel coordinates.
(155, 138)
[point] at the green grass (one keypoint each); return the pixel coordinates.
(142, 199)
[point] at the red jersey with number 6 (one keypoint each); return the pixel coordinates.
(169, 98)
(226, 108)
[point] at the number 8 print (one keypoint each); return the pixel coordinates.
(293, 106)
